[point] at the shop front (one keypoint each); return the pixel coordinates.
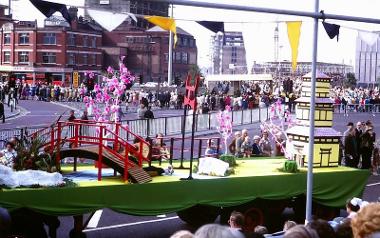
(33, 75)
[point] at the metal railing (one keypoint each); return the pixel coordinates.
(356, 108)
(165, 125)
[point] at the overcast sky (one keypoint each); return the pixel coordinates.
(260, 43)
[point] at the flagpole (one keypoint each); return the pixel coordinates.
(310, 158)
(170, 61)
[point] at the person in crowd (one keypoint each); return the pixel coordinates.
(182, 234)
(256, 149)
(232, 146)
(239, 142)
(265, 144)
(367, 145)
(322, 227)
(351, 157)
(8, 155)
(213, 231)
(246, 147)
(300, 231)
(149, 113)
(353, 206)
(279, 145)
(159, 150)
(262, 230)
(376, 161)
(71, 116)
(2, 111)
(366, 224)
(350, 126)
(236, 223)
(344, 230)
(358, 133)
(211, 149)
(141, 111)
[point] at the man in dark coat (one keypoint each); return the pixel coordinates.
(148, 113)
(2, 111)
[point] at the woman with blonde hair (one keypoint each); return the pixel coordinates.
(366, 224)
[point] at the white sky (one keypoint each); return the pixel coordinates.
(260, 44)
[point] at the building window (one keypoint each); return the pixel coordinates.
(71, 59)
(85, 59)
(71, 40)
(85, 41)
(184, 41)
(23, 57)
(23, 38)
(93, 59)
(185, 58)
(7, 56)
(178, 57)
(7, 38)
(49, 58)
(50, 39)
(166, 57)
(93, 42)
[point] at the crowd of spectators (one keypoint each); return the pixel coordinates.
(362, 221)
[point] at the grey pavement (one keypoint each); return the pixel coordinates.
(9, 113)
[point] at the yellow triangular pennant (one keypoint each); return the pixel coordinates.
(294, 32)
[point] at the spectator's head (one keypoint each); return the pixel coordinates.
(236, 220)
(344, 230)
(300, 231)
(237, 134)
(212, 231)
(72, 112)
(288, 225)
(350, 125)
(182, 234)
(5, 222)
(10, 145)
(353, 205)
(323, 228)
(244, 132)
(246, 139)
(367, 222)
(359, 125)
(265, 134)
(256, 139)
(261, 230)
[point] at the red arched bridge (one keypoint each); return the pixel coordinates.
(103, 142)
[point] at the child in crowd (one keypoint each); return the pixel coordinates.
(246, 147)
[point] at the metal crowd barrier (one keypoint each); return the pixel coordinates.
(356, 108)
(165, 125)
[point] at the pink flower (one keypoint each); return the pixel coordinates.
(110, 70)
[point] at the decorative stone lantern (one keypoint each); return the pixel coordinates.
(326, 139)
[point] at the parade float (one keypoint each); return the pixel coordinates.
(257, 188)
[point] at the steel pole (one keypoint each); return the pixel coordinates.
(310, 158)
(318, 15)
(170, 61)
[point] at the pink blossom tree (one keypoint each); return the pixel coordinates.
(279, 120)
(225, 126)
(109, 92)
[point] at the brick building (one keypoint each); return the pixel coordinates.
(53, 52)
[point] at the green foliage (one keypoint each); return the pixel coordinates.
(33, 155)
(229, 171)
(290, 166)
(349, 80)
(230, 159)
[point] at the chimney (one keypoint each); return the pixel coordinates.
(73, 12)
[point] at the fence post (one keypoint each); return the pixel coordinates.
(126, 163)
(147, 127)
(218, 146)
(251, 115)
(171, 150)
(200, 148)
(196, 121)
(128, 129)
(58, 153)
(100, 154)
(209, 120)
(242, 117)
(259, 114)
(116, 140)
(166, 126)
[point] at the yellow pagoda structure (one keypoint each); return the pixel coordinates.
(326, 139)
